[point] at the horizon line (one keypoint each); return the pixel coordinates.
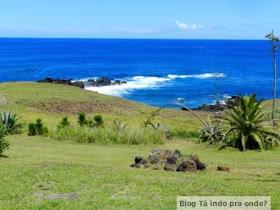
(229, 39)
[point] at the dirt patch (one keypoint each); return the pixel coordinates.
(55, 196)
(85, 106)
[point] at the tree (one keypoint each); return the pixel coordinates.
(273, 40)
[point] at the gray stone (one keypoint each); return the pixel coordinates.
(182, 167)
(191, 166)
(199, 165)
(169, 167)
(154, 159)
(157, 151)
(156, 167)
(172, 159)
(138, 159)
(168, 152)
(135, 165)
(177, 154)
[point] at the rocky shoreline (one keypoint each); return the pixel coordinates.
(103, 81)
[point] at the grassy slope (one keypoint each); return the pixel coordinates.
(30, 99)
(100, 175)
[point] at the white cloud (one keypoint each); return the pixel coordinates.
(188, 27)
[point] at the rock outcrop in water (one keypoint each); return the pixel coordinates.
(104, 81)
(229, 104)
(63, 82)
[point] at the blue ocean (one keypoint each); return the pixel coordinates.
(156, 71)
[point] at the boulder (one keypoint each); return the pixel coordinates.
(199, 165)
(154, 159)
(157, 151)
(170, 167)
(140, 159)
(171, 159)
(182, 167)
(223, 168)
(146, 165)
(164, 157)
(135, 165)
(168, 152)
(156, 167)
(191, 166)
(177, 154)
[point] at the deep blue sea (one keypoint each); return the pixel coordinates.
(156, 71)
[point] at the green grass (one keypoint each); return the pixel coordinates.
(100, 174)
(102, 178)
(25, 98)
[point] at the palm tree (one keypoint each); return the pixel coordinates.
(273, 39)
(246, 125)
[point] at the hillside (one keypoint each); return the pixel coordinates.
(52, 101)
(42, 173)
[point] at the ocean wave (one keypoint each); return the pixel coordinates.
(145, 82)
(197, 76)
(137, 82)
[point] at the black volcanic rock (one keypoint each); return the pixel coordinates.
(104, 81)
(229, 104)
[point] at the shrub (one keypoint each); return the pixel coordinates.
(37, 128)
(211, 132)
(246, 126)
(82, 119)
(10, 122)
(32, 131)
(4, 145)
(98, 120)
(64, 122)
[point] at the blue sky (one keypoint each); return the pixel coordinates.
(184, 19)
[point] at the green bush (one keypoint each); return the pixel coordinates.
(211, 132)
(98, 120)
(32, 131)
(37, 128)
(64, 122)
(4, 145)
(82, 119)
(10, 122)
(109, 135)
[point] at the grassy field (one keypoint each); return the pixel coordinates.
(37, 169)
(102, 179)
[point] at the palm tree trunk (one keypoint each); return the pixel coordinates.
(274, 86)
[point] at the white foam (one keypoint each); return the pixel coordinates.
(197, 76)
(137, 82)
(145, 82)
